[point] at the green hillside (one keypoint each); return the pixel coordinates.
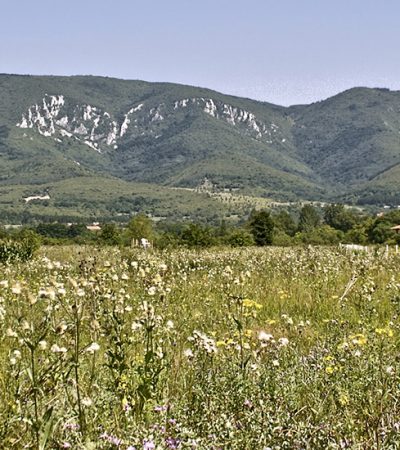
(108, 147)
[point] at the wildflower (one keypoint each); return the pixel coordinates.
(56, 349)
(344, 399)
(188, 353)
(247, 303)
(11, 333)
(390, 370)
(358, 339)
(151, 291)
(148, 445)
(93, 347)
(42, 345)
(16, 289)
(283, 342)
(275, 363)
(384, 332)
(265, 338)
(87, 402)
(330, 369)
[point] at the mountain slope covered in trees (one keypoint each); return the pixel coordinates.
(150, 141)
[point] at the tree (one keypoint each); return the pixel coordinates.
(261, 226)
(336, 216)
(140, 227)
(110, 234)
(284, 222)
(195, 235)
(309, 219)
(240, 238)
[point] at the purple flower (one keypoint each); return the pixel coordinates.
(148, 445)
(172, 443)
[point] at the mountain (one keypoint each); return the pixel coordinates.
(93, 146)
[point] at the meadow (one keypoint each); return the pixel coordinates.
(256, 348)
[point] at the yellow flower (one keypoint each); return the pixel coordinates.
(384, 331)
(247, 303)
(344, 399)
(358, 339)
(248, 333)
(330, 369)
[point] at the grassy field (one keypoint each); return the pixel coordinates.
(294, 348)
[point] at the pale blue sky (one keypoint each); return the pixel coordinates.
(282, 51)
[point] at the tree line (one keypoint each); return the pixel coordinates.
(330, 225)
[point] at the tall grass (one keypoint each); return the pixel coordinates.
(221, 349)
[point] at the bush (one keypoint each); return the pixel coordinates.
(21, 250)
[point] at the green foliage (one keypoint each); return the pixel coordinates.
(248, 348)
(140, 226)
(285, 222)
(335, 150)
(261, 226)
(110, 234)
(322, 235)
(22, 247)
(197, 235)
(309, 218)
(336, 216)
(239, 237)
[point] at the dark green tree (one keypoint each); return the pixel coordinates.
(284, 222)
(261, 226)
(110, 234)
(336, 216)
(309, 219)
(196, 235)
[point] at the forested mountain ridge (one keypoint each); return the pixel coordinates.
(141, 136)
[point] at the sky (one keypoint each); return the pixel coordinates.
(283, 51)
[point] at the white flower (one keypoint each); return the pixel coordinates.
(275, 363)
(87, 401)
(283, 342)
(263, 336)
(17, 354)
(151, 291)
(136, 326)
(42, 345)
(390, 370)
(93, 347)
(56, 349)
(16, 289)
(188, 353)
(11, 333)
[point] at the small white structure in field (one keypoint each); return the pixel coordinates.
(144, 243)
(37, 197)
(354, 247)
